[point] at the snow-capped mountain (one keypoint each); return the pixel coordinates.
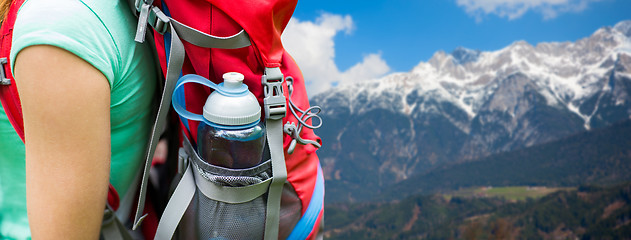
(468, 104)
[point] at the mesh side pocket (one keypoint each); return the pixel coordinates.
(206, 218)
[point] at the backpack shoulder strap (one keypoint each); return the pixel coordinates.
(8, 91)
(275, 111)
(154, 17)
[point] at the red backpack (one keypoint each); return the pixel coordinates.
(8, 92)
(209, 38)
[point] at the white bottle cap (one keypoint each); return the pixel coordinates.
(232, 109)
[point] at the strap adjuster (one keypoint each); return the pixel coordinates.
(274, 101)
(149, 14)
(3, 75)
(158, 20)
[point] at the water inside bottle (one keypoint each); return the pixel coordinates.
(236, 149)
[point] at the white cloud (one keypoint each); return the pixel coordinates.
(372, 66)
(313, 47)
(513, 9)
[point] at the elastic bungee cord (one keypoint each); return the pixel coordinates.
(294, 131)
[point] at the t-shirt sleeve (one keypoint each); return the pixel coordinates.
(70, 25)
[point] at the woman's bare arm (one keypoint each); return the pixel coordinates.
(66, 106)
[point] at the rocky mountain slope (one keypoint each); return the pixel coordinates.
(468, 104)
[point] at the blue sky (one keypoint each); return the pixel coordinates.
(369, 39)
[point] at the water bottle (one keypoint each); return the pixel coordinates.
(231, 134)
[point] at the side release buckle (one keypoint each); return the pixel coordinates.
(274, 100)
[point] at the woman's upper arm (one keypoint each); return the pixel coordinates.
(66, 107)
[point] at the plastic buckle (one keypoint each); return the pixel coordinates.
(3, 75)
(158, 20)
(274, 101)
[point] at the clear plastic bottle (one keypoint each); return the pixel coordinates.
(231, 134)
(231, 148)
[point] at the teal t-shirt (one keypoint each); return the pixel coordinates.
(101, 32)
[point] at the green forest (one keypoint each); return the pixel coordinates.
(587, 212)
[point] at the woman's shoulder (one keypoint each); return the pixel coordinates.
(95, 30)
(64, 11)
(111, 17)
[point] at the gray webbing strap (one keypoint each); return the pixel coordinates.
(201, 39)
(274, 111)
(178, 203)
(153, 16)
(174, 67)
(142, 22)
(112, 228)
(279, 171)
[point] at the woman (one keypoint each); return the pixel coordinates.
(86, 90)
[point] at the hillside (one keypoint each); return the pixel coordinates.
(587, 213)
(601, 156)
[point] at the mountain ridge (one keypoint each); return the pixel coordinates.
(458, 68)
(470, 104)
